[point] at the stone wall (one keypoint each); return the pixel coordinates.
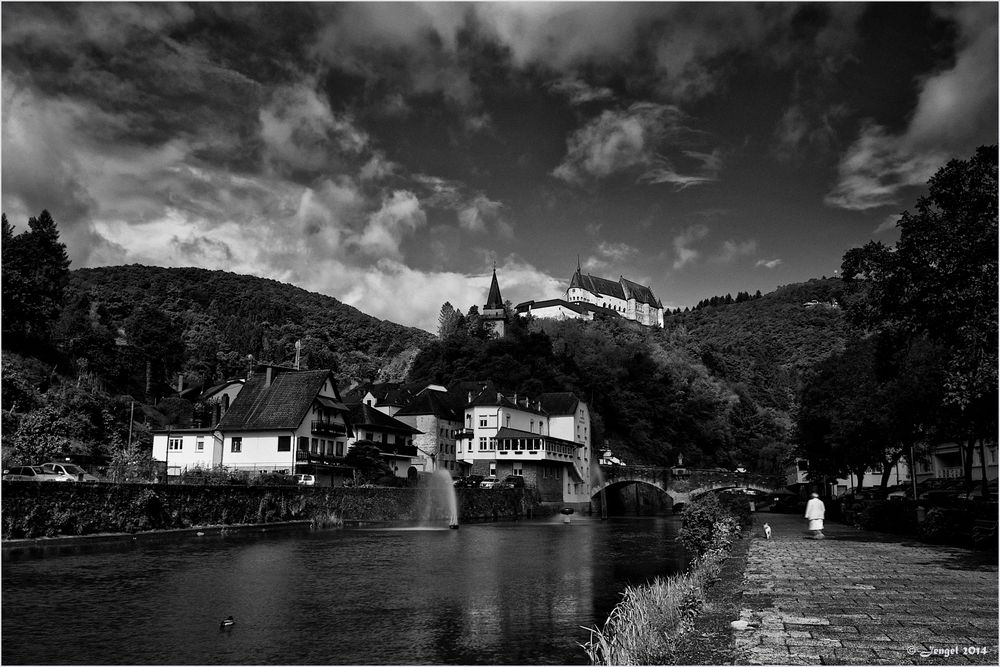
(50, 509)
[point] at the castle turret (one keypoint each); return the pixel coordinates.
(494, 314)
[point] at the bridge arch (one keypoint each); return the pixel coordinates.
(681, 485)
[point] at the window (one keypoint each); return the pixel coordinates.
(236, 445)
(531, 427)
(340, 448)
(284, 443)
(518, 470)
(482, 444)
(493, 469)
(314, 446)
(482, 422)
(174, 444)
(199, 444)
(369, 436)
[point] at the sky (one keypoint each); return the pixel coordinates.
(389, 154)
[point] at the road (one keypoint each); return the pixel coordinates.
(864, 598)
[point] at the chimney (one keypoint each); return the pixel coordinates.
(268, 375)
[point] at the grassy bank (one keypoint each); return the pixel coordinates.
(649, 626)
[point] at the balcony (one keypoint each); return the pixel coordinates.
(328, 428)
(303, 456)
(462, 433)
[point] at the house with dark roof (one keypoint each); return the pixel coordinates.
(507, 434)
(393, 437)
(629, 299)
(433, 412)
(388, 397)
(282, 420)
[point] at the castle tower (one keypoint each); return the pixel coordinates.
(494, 314)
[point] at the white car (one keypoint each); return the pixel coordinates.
(488, 482)
(306, 480)
(29, 474)
(68, 472)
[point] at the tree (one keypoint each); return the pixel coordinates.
(35, 274)
(449, 321)
(940, 281)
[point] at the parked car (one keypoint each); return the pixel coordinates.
(488, 482)
(29, 474)
(69, 472)
(942, 490)
(306, 480)
(468, 482)
(513, 482)
(976, 493)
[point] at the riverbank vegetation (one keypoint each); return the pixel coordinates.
(646, 626)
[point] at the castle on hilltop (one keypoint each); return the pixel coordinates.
(588, 296)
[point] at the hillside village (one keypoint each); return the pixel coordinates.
(291, 421)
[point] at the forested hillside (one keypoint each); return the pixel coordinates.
(716, 386)
(765, 344)
(209, 321)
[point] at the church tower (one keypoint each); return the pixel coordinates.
(494, 314)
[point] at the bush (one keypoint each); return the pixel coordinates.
(708, 523)
(738, 506)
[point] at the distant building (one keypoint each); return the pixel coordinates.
(432, 412)
(393, 437)
(589, 296)
(494, 314)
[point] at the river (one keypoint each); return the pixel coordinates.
(490, 593)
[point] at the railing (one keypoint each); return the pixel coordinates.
(328, 428)
(462, 433)
(303, 456)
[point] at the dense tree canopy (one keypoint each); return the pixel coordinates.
(35, 274)
(940, 282)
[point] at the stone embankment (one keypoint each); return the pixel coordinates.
(32, 510)
(862, 598)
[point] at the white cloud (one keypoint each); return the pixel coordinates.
(300, 131)
(767, 263)
(956, 109)
(579, 92)
(889, 223)
(476, 213)
(733, 249)
(685, 253)
(399, 216)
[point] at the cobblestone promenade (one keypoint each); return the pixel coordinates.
(864, 598)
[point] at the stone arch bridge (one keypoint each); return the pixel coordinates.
(682, 484)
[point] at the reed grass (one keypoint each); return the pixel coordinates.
(644, 627)
(327, 520)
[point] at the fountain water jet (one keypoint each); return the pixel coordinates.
(441, 497)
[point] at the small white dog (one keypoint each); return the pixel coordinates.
(767, 531)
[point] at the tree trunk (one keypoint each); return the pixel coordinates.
(968, 448)
(982, 466)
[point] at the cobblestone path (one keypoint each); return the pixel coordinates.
(864, 598)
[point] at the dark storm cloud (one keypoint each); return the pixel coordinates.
(363, 149)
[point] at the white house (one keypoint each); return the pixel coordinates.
(282, 420)
(433, 414)
(393, 437)
(511, 435)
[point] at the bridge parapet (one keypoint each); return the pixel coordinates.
(685, 482)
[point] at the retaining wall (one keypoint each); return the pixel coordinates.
(50, 509)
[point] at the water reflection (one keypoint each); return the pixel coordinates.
(498, 593)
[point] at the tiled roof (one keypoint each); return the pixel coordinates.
(560, 403)
(494, 301)
(366, 416)
(385, 393)
(430, 402)
(640, 293)
(282, 405)
(597, 286)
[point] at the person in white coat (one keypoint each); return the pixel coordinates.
(815, 512)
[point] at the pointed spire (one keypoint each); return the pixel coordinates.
(494, 301)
